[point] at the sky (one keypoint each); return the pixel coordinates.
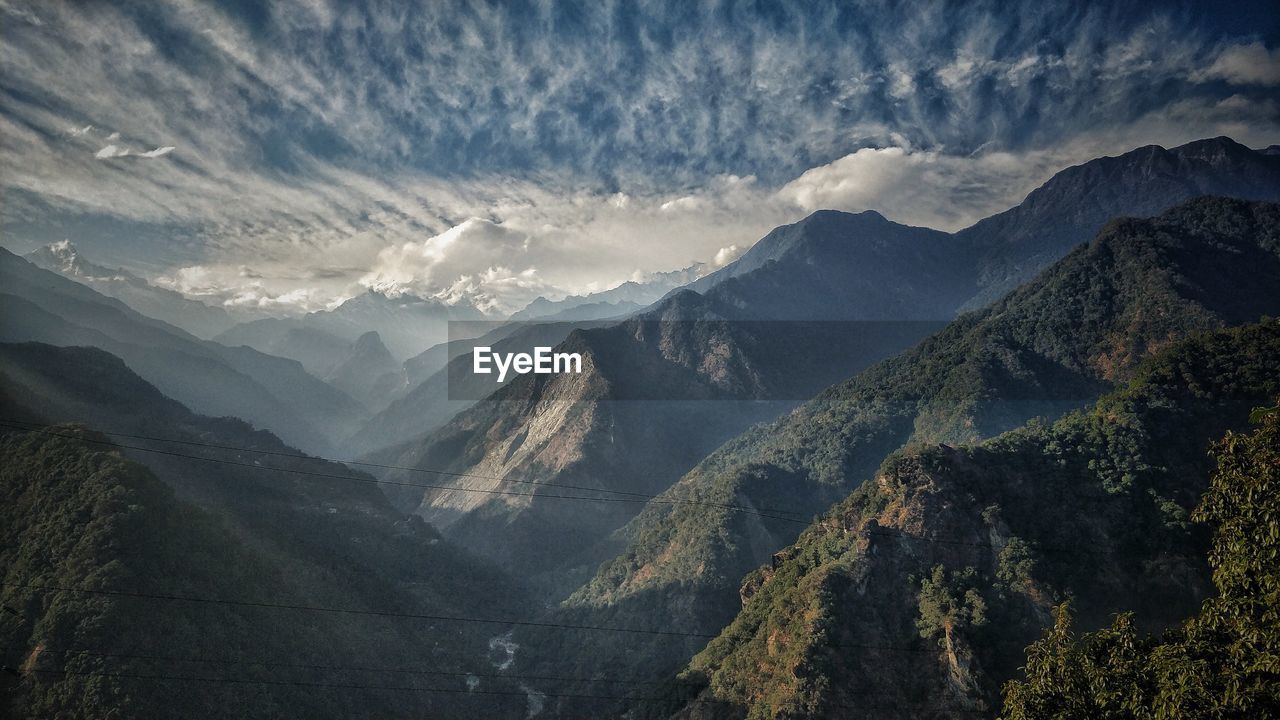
(285, 156)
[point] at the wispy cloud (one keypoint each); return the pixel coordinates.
(111, 151)
(1247, 64)
(315, 141)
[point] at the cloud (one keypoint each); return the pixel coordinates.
(318, 138)
(470, 262)
(1251, 64)
(945, 192)
(27, 16)
(726, 255)
(243, 290)
(688, 203)
(111, 151)
(497, 290)
(115, 151)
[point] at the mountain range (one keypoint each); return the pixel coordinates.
(898, 272)
(406, 324)
(1054, 344)
(851, 271)
(197, 318)
(922, 589)
(658, 392)
(614, 302)
(271, 392)
(173, 505)
(854, 472)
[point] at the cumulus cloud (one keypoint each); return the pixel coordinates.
(726, 255)
(945, 192)
(243, 290)
(469, 262)
(496, 290)
(1250, 64)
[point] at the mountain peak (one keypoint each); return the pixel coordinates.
(64, 258)
(63, 249)
(680, 304)
(843, 221)
(61, 254)
(828, 214)
(369, 341)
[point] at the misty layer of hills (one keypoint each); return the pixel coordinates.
(834, 477)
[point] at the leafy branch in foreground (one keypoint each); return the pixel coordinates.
(1222, 663)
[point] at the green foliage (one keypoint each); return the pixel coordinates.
(950, 602)
(1033, 512)
(1016, 566)
(1049, 347)
(1222, 663)
(79, 512)
(75, 514)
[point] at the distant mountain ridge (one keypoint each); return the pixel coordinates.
(934, 275)
(407, 325)
(271, 392)
(197, 318)
(630, 295)
(843, 266)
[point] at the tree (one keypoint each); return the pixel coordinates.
(1222, 663)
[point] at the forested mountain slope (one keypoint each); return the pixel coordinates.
(253, 520)
(657, 393)
(1052, 345)
(916, 596)
(1217, 663)
(841, 267)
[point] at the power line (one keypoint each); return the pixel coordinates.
(647, 499)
